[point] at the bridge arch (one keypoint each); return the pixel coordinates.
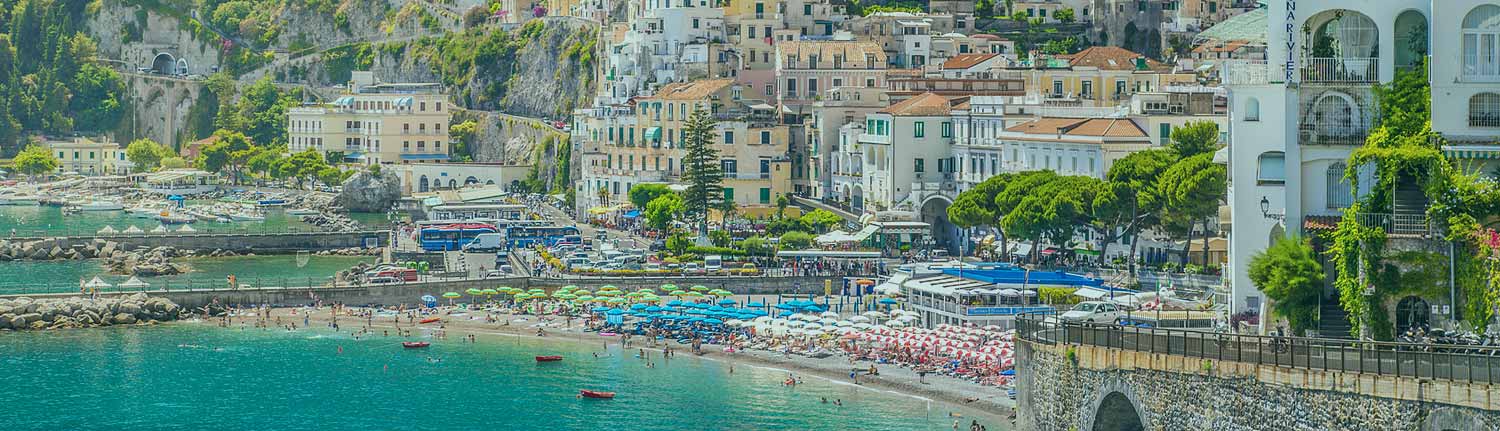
(1116, 408)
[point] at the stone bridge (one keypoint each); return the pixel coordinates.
(161, 105)
(1077, 377)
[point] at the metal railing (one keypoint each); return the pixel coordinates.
(1351, 70)
(216, 284)
(1472, 364)
(1245, 72)
(1396, 224)
(37, 234)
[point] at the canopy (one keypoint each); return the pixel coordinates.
(133, 282)
(185, 228)
(96, 283)
(107, 230)
(133, 229)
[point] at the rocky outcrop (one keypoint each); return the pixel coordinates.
(352, 251)
(77, 312)
(147, 262)
(368, 191)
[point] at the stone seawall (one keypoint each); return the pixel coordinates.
(410, 293)
(1086, 388)
(77, 312)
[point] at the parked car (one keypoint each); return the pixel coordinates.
(383, 280)
(692, 268)
(1093, 312)
(495, 273)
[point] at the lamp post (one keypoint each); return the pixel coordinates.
(1265, 210)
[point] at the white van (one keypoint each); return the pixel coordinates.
(485, 242)
(713, 263)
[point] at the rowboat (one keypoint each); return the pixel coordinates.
(595, 394)
(430, 320)
(553, 358)
(415, 344)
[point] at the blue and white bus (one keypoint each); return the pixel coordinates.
(444, 237)
(527, 236)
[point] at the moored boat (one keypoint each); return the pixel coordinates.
(415, 344)
(595, 394)
(553, 358)
(18, 199)
(168, 217)
(301, 212)
(102, 205)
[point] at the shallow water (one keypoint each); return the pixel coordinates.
(186, 376)
(58, 276)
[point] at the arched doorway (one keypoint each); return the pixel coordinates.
(471, 180)
(489, 182)
(857, 199)
(1117, 413)
(422, 185)
(1411, 312)
(1343, 47)
(1411, 38)
(944, 233)
(452, 183)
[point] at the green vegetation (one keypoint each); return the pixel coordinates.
(701, 170)
(661, 210)
(146, 154)
(1289, 273)
(48, 77)
(1404, 150)
(464, 135)
(34, 160)
(643, 194)
(340, 63)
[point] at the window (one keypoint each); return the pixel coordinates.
(765, 168)
(1481, 33)
(812, 86)
(837, 82)
(729, 166)
(1057, 88)
(728, 137)
(1088, 89)
(1252, 109)
(919, 129)
(1340, 195)
(807, 9)
(765, 137)
(1484, 110)
(1271, 168)
(695, 22)
(728, 194)
(919, 166)
(947, 129)
(1166, 133)
(791, 87)
(765, 195)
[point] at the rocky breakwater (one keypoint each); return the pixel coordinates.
(352, 251)
(76, 312)
(146, 262)
(332, 222)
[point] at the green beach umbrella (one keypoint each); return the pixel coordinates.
(582, 292)
(646, 290)
(617, 300)
(585, 298)
(568, 296)
(570, 287)
(474, 292)
(489, 292)
(535, 291)
(451, 295)
(609, 287)
(668, 287)
(633, 294)
(699, 288)
(678, 292)
(606, 293)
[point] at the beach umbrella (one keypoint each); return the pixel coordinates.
(895, 323)
(813, 309)
(859, 319)
(581, 292)
(668, 287)
(646, 290)
(674, 302)
(570, 287)
(863, 326)
(699, 288)
(535, 291)
(734, 323)
(489, 292)
(617, 300)
(585, 298)
(726, 302)
(755, 305)
(615, 312)
(827, 321)
(606, 293)
(830, 314)
(843, 323)
(886, 301)
(522, 296)
(678, 293)
(474, 292)
(601, 309)
(713, 321)
(451, 295)
(609, 287)
(873, 314)
(568, 296)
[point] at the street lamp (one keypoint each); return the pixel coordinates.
(1265, 210)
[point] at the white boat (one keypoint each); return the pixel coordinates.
(18, 199)
(302, 212)
(246, 216)
(102, 205)
(143, 211)
(168, 217)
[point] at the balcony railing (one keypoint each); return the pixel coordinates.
(747, 175)
(1396, 224)
(1244, 72)
(1347, 70)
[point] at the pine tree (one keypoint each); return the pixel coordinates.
(701, 169)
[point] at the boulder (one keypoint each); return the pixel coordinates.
(123, 319)
(129, 307)
(5, 321)
(22, 321)
(370, 192)
(55, 253)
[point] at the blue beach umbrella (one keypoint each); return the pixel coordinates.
(756, 305)
(615, 312)
(886, 301)
(601, 309)
(713, 321)
(674, 302)
(726, 302)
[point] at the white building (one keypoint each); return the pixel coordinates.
(1295, 120)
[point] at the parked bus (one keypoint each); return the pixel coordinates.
(527, 236)
(451, 236)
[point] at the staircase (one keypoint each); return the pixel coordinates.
(1409, 210)
(1333, 321)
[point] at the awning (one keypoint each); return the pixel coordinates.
(1472, 151)
(653, 133)
(1086, 252)
(632, 214)
(1021, 249)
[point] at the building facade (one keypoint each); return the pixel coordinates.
(88, 157)
(375, 123)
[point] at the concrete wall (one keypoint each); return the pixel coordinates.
(259, 243)
(1055, 392)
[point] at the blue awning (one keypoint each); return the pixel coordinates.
(424, 157)
(632, 213)
(653, 134)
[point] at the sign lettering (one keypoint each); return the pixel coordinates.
(1291, 42)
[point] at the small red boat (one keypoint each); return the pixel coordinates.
(595, 394)
(548, 358)
(430, 320)
(415, 344)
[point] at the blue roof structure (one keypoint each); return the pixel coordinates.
(1016, 276)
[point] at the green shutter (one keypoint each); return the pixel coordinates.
(765, 195)
(729, 194)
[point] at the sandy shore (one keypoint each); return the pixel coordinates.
(946, 392)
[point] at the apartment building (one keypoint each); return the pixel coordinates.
(828, 143)
(806, 70)
(375, 123)
(88, 157)
(1101, 76)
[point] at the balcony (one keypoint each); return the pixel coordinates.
(747, 175)
(1244, 72)
(1397, 224)
(1341, 70)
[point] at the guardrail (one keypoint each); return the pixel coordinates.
(1473, 364)
(222, 285)
(39, 234)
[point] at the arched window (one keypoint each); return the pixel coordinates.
(1271, 168)
(1252, 109)
(1340, 194)
(422, 184)
(1484, 110)
(1335, 114)
(1481, 29)
(1411, 38)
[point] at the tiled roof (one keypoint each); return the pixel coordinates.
(1320, 222)
(965, 61)
(1102, 127)
(853, 53)
(694, 90)
(1111, 58)
(925, 104)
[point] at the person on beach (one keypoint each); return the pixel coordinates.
(854, 376)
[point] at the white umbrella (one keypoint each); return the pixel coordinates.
(796, 316)
(795, 324)
(831, 329)
(843, 323)
(813, 327)
(96, 283)
(874, 314)
(810, 318)
(859, 319)
(908, 318)
(863, 326)
(762, 319)
(134, 282)
(779, 322)
(107, 230)
(133, 229)
(161, 228)
(186, 228)
(830, 314)
(735, 323)
(896, 323)
(826, 321)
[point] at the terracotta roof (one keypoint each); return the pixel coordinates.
(694, 90)
(1320, 222)
(853, 53)
(1110, 58)
(965, 61)
(1102, 127)
(925, 104)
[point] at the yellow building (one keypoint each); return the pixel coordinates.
(88, 157)
(375, 123)
(1101, 76)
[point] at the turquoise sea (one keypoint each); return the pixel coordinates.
(190, 377)
(50, 221)
(54, 276)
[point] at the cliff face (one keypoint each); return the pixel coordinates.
(543, 69)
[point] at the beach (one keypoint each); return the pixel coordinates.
(987, 404)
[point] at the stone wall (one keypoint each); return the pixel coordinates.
(256, 243)
(1060, 391)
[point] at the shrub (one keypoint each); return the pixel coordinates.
(796, 240)
(1057, 295)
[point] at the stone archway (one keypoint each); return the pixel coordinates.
(1115, 406)
(164, 63)
(934, 212)
(471, 180)
(857, 199)
(452, 183)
